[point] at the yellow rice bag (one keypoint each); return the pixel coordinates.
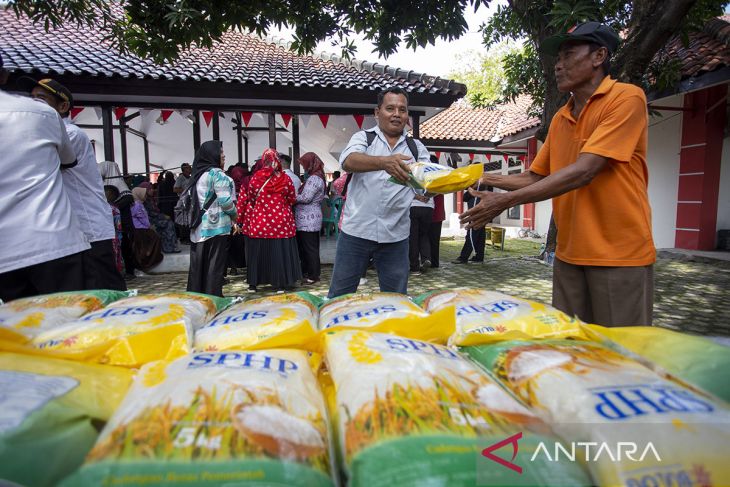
(47, 407)
(25, 318)
(284, 320)
(629, 424)
(438, 179)
(132, 331)
(485, 316)
(217, 418)
(389, 313)
(411, 413)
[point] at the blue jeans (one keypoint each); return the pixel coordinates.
(351, 261)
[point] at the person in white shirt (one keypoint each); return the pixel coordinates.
(40, 237)
(286, 166)
(85, 190)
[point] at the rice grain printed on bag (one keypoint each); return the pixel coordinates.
(134, 331)
(281, 321)
(485, 316)
(46, 411)
(630, 425)
(217, 418)
(22, 319)
(439, 179)
(389, 313)
(411, 413)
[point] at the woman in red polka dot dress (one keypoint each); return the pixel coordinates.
(266, 217)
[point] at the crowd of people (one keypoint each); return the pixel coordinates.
(67, 223)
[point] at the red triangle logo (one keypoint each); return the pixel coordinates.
(512, 440)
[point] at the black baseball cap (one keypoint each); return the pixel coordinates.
(587, 32)
(27, 83)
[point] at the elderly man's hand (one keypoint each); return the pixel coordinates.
(396, 166)
(490, 206)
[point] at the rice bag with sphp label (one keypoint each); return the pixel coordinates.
(133, 331)
(439, 179)
(387, 312)
(217, 418)
(484, 316)
(23, 319)
(413, 413)
(629, 424)
(47, 410)
(280, 321)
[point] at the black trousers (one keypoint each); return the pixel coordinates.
(419, 247)
(237, 251)
(63, 274)
(434, 240)
(479, 238)
(100, 268)
(308, 245)
(208, 261)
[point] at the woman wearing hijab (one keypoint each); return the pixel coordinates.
(146, 246)
(113, 177)
(162, 223)
(268, 221)
(214, 212)
(309, 215)
(166, 197)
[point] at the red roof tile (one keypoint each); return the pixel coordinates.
(237, 58)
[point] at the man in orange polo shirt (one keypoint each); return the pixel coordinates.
(593, 165)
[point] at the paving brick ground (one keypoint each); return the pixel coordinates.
(690, 296)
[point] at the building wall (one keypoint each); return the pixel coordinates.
(723, 203)
(665, 133)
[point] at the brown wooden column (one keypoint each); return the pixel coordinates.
(123, 144)
(216, 126)
(196, 130)
(239, 136)
(295, 143)
(416, 126)
(272, 130)
(106, 117)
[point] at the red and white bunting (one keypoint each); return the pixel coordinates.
(165, 114)
(489, 157)
(471, 156)
(506, 158)
(207, 116)
(324, 118)
(286, 118)
(359, 119)
(438, 155)
(246, 117)
(304, 120)
(522, 158)
(75, 111)
(119, 112)
(97, 112)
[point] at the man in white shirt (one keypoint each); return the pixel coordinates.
(85, 190)
(286, 166)
(182, 180)
(40, 237)
(376, 222)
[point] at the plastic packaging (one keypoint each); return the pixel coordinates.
(484, 316)
(217, 418)
(438, 179)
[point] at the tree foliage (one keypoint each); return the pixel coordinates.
(483, 73)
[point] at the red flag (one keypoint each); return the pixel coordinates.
(359, 119)
(246, 116)
(165, 114)
(506, 157)
(286, 117)
(75, 111)
(471, 157)
(324, 119)
(522, 158)
(489, 157)
(119, 112)
(438, 155)
(207, 116)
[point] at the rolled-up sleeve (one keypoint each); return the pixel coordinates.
(223, 187)
(358, 144)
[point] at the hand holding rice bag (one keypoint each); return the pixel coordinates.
(411, 413)
(387, 312)
(695, 359)
(485, 316)
(645, 428)
(46, 411)
(133, 331)
(217, 418)
(280, 321)
(22, 319)
(438, 179)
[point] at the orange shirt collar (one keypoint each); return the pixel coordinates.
(605, 86)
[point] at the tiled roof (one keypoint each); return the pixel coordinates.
(460, 122)
(706, 51)
(237, 58)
